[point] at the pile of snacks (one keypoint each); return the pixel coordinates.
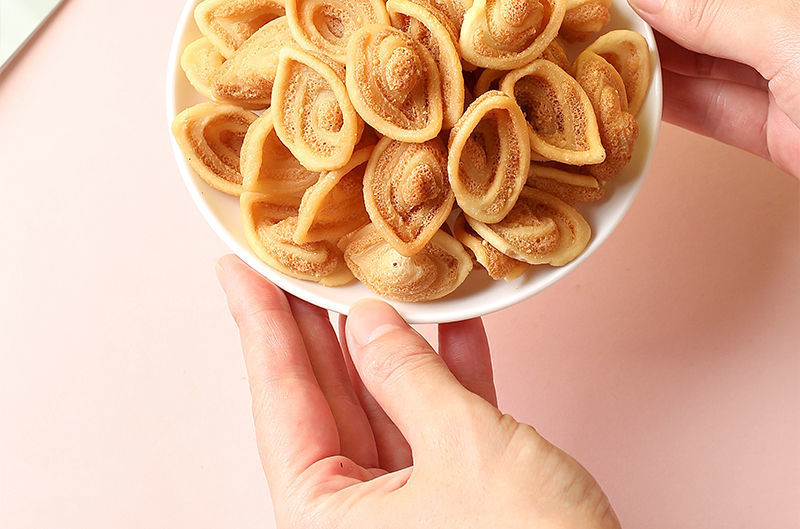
(379, 118)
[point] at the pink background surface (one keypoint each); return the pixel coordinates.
(669, 363)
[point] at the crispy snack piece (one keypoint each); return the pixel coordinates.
(440, 268)
(272, 241)
(246, 79)
(327, 25)
(565, 184)
(430, 26)
(210, 136)
(628, 53)
(200, 62)
(488, 80)
(489, 157)
(563, 126)
(541, 229)
(334, 206)
(406, 192)
(584, 18)
(268, 167)
(556, 53)
(507, 34)
(394, 84)
(311, 110)
(497, 264)
(618, 127)
(229, 23)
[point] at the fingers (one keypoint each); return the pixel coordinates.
(740, 30)
(730, 112)
(355, 435)
(294, 425)
(393, 450)
(406, 377)
(465, 349)
(678, 59)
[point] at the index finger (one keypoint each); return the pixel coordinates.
(294, 425)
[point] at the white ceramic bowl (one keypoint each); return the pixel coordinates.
(479, 295)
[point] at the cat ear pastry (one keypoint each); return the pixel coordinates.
(311, 110)
(584, 18)
(618, 127)
(210, 136)
(436, 271)
(541, 229)
(247, 78)
(566, 184)
(497, 264)
(628, 53)
(406, 192)
(326, 26)
(229, 23)
(200, 62)
(507, 34)
(489, 157)
(563, 126)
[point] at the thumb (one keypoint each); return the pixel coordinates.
(740, 30)
(400, 369)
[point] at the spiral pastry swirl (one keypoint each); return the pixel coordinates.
(563, 126)
(269, 168)
(211, 137)
(321, 262)
(618, 127)
(334, 206)
(406, 192)
(200, 62)
(394, 84)
(584, 18)
(326, 26)
(229, 23)
(541, 229)
(497, 264)
(311, 110)
(247, 78)
(628, 53)
(424, 22)
(489, 157)
(507, 34)
(565, 183)
(436, 271)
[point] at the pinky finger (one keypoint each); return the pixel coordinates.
(729, 112)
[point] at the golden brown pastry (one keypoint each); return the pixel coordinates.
(489, 156)
(327, 25)
(556, 53)
(584, 18)
(406, 192)
(618, 127)
(628, 53)
(229, 23)
(488, 80)
(334, 206)
(321, 262)
(541, 229)
(246, 79)
(393, 82)
(311, 110)
(507, 34)
(268, 167)
(563, 126)
(210, 136)
(423, 21)
(497, 264)
(200, 62)
(565, 183)
(440, 268)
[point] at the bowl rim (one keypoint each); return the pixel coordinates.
(463, 312)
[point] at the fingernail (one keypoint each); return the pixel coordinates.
(648, 6)
(370, 319)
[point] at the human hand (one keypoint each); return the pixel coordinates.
(732, 71)
(337, 424)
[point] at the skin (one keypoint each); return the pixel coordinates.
(379, 431)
